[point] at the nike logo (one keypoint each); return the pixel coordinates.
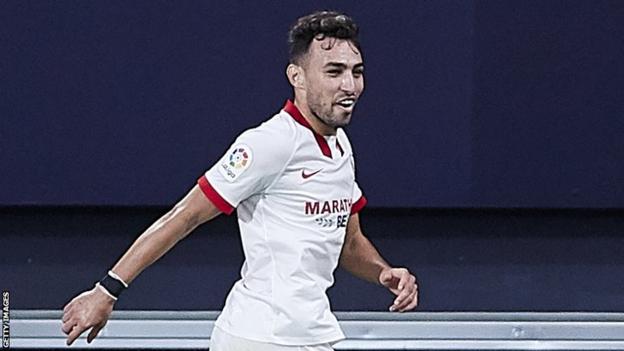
(305, 175)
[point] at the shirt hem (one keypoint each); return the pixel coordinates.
(307, 341)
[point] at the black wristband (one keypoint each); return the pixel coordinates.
(112, 285)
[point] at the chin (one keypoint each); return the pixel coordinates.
(343, 122)
(336, 119)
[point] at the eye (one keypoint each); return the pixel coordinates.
(358, 72)
(333, 72)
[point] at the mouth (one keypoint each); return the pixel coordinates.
(346, 103)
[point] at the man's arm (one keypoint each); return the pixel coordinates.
(92, 308)
(360, 258)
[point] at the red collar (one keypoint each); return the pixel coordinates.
(294, 112)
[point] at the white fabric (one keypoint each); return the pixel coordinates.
(223, 341)
(292, 223)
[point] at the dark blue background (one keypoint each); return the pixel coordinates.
(465, 260)
(468, 103)
(487, 104)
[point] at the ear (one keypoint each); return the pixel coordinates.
(295, 75)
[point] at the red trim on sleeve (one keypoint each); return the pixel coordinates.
(214, 196)
(294, 112)
(358, 205)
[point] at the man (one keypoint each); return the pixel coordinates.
(292, 182)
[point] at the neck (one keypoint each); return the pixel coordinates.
(316, 123)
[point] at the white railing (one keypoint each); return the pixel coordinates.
(364, 330)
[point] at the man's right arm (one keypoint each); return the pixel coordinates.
(92, 308)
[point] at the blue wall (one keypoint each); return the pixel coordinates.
(465, 260)
(468, 103)
(548, 126)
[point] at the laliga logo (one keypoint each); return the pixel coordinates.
(238, 162)
(239, 158)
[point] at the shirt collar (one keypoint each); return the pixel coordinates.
(294, 112)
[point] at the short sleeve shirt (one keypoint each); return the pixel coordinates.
(294, 191)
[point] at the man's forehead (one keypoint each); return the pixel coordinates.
(334, 50)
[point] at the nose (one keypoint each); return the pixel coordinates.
(348, 83)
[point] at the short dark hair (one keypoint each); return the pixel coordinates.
(319, 25)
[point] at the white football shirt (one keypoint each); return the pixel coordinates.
(294, 191)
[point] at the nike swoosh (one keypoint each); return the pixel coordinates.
(306, 176)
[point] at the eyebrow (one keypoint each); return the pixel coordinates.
(342, 65)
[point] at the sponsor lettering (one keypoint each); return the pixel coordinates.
(328, 207)
(341, 221)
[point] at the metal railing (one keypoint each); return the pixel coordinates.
(364, 330)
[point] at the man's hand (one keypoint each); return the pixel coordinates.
(402, 284)
(91, 309)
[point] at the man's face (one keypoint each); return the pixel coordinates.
(334, 76)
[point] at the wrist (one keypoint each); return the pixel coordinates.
(112, 285)
(379, 276)
(110, 297)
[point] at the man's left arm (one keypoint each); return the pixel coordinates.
(360, 258)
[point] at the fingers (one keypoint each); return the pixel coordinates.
(394, 277)
(66, 316)
(408, 302)
(404, 277)
(404, 287)
(406, 290)
(68, 326)
(75, 333)
(390, 279)
(94, 332)
(68, 320)
(75, 328)
(412, 305)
